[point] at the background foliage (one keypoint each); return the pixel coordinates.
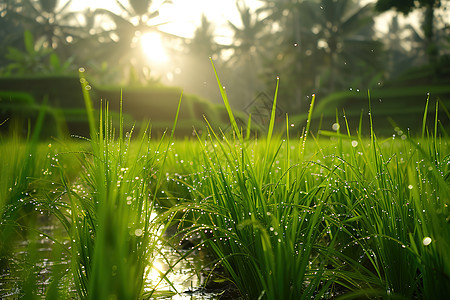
(315, 46)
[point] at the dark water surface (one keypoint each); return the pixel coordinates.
(36, 261)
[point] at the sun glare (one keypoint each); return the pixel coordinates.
(153, 47)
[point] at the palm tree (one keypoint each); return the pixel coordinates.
(51, 26)
(92, 47)
(195, 74)
(344, 32)
(249, 41)
(122, 44)
(322, 41)
(203, 43)
(428, 23)
(45, 21)
(288, 48)
(401, 47)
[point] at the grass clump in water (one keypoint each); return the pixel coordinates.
(114, 231)
(357, 217)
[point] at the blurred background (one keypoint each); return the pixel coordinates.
(399, 50)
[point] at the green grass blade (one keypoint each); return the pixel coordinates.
(85, 88)
(227, 103)
(424, 119)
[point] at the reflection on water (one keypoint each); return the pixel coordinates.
(35, 262)
(182, 276)
(176, 271)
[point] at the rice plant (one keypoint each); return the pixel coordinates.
(264, 225)
(113, 228)
(330, 215)
(396, 191)
(353, 217)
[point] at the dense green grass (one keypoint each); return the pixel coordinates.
(322, 215)
(351, 216)
(302, 219)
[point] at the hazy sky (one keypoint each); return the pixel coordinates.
(184, 15)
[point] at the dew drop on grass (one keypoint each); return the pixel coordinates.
(335, 126)
(426, 241)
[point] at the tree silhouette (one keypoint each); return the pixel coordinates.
(52, 27)
(203, 44)
(46, 22)
(428, 23)
(249, 51)
(194, 67)
(249, 39)
(122, 45)
(344, 31)
(322, 46)
(402, 51)
(288, 49)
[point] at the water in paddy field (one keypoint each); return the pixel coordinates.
(41, 259)
(186, 277)
(35, 262)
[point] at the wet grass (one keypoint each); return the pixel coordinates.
(353, 217)
(323, 215)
